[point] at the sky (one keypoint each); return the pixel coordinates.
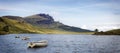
(87, 14)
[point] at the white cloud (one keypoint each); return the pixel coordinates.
(104, 27)
(75, 15)
(84, 27)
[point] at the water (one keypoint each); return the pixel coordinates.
(61, 44)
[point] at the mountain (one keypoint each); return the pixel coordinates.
(110, 32)
(47, 21)
(39, 23)
(42, 20)
(12, 26)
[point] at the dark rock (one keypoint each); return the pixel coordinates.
(39, 19)
(46, 16)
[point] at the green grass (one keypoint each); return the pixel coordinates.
(18, 27)
(110, 32)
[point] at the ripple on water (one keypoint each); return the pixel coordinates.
(61, 44)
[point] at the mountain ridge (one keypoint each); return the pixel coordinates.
(50, 23)
(38, 23)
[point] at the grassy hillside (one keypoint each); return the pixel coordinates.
(16, 26)
(10, 26)
(71, 28)
(110, 32)
(59, 31)
(47, 21)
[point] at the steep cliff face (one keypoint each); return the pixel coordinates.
(48, 17)
(42, 20)
(47, 21)
(39, 19)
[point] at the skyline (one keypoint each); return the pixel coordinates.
(79, 13)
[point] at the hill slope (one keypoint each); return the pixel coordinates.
(12, 26)
(47, 21)
(110, 32)
(39, 23)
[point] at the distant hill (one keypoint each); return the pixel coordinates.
(39, 23)
(47, 21)
(110, 32)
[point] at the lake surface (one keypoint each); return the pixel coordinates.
(61, 44)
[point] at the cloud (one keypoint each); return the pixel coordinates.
(84, 27)
(103, 27)
(6, 8)
(70, 12)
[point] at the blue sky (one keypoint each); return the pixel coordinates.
(79, 13)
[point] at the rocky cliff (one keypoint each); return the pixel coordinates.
(47, 21)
